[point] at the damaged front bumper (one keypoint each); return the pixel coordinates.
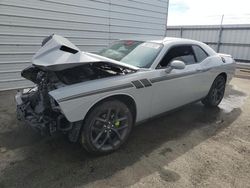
(41, 123)
(45, 124)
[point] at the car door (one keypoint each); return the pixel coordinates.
(176, 87)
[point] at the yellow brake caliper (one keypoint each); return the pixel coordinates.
(117, 124)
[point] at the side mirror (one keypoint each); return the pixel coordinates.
(176, 64)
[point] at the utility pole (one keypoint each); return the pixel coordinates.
(222, 19)
(220, 34)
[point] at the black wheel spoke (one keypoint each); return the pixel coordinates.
(220, 86)
(108, 114)
(100, 119)
(122, 127)
(122, 118)
(104, 141)
(117, 133)
(98, 136)
(214, 95)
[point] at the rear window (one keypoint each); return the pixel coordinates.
(182, 52)
(200, 53)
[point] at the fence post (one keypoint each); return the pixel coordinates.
(181, 32)
(219, 39)
(220, 34)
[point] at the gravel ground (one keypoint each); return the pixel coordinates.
(192, 147)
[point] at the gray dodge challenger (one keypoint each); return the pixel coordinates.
(96, 98)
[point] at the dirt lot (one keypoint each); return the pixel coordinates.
(192, 147)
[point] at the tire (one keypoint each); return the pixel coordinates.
(216, 92)
(106, 127)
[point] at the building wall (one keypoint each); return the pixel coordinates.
(230, 39)
(91, 25)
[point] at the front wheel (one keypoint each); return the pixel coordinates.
(216, 92)
(106, 127)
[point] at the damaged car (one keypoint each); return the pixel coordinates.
(96, 98)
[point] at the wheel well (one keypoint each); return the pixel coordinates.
(224, 75)
(127, 100)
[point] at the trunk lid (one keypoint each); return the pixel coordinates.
(58, 53)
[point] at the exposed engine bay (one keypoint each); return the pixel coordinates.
(38, 107)
(85, 72)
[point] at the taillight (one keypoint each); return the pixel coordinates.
(223, 59)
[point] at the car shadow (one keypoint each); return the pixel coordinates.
(54, 162)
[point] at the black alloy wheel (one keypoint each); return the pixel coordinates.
(107, 127)
(216, 92)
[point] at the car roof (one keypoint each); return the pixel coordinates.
(174, 40)
(164, 40)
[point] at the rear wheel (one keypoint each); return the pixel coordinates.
(106, 127)
(216, 92)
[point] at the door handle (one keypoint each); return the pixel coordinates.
(202, 70)
(199, 70)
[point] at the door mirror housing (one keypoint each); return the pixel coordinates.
(177, 64)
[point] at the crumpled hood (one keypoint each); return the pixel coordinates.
(58, 53)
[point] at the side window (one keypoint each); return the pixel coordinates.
(183, 53)
(200, 53)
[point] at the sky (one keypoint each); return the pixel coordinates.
(204, 12)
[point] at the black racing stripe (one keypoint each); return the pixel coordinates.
(137, 84)
(98, 91)
(146, 82)
(169, 77)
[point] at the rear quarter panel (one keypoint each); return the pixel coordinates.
(214, 66)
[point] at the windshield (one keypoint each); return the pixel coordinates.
(136, 53)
